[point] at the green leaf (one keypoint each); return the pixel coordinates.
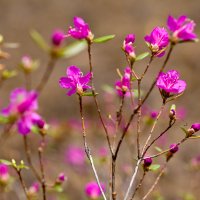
(58, 187)
(108, 88)
(154, 167)
(88, 94)
(184, 130)
(3, 119)
(103, 39)
(39, 40)
(135, 91)
(6, 74)
(72, 49)
(159, 149)
(6, 162)
(142, 56)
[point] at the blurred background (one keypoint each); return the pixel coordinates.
(18, 17)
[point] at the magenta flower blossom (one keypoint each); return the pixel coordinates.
(196, 127)
(93, 191)
(128, 45)
(157, 41)
(75, 156)
(27, 121)
(170, 84)
(182, 28)
(20, 102)
(34, 189)
(81, 30)
(123, 86)
(57, 37)
(75, 81)
(23, 105)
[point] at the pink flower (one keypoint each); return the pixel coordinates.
(4, 175)
(27, 121)
(93, 191)
(23, 106)
(81, 29)
(157, 41)
(182, 28)
(75, 81)
(128, 45)
(75, 156)
(61, 177)
(20, 102)
(33, 190)
(57, 37)
(123, 86)
(169, 83)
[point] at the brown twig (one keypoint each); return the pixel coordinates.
(22, 182)
(28, 157)
(95, 99)
(40, 153)
(139, 184)
(87, 150)
(47, 74)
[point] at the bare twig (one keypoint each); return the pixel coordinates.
(87, 150)
(47, 74)
(96, 100)
(28, 157)
(40, 153)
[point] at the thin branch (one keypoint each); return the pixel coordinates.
(40, 153)
(139, 184)
(132, 179)
(28, 157)
(159, 136)
(22, 182)
(155, 183)
(47, 74)
(154, 125)
(87, 150)
(96, 101)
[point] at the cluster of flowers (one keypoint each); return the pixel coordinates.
(23, 106)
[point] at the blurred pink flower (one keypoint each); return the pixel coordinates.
(93, 191)
(4, 174)
(57, 37)
(182, 28)
(75, 156)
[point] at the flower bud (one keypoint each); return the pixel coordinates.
(173, 148)
(61, 177)
(147, 163)
(57, 37)
(4, 175)
(196, 127)
(28, 65)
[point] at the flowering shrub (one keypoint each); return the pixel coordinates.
(133, 119)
